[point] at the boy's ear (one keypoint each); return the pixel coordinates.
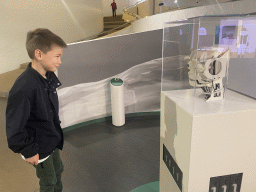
(38, 54)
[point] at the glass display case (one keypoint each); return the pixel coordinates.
(209, 55)
(208, 105)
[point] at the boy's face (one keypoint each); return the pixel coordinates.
(52, 59)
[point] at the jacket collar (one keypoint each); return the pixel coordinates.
(51, 77)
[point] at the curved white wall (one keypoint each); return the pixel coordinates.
(72, 20)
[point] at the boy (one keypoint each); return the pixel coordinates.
(32, 113)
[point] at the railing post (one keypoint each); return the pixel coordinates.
(160, 5)
(154, 4)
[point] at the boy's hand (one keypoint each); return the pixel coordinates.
(33, 160)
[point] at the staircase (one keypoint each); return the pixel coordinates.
(110, 23)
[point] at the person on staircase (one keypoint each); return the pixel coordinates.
(114, 8)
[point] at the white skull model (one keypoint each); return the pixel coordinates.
(207, 68)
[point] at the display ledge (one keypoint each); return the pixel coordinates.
(113, 129)
(197, 105)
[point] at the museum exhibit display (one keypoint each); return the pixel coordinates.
(208, 105)
(208, 71)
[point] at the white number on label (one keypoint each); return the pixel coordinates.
(235, 187)
(214, 189)
(225, 188)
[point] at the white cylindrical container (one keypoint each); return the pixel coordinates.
(117, 101)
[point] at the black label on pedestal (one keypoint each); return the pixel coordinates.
(226, 183)
(173, 167)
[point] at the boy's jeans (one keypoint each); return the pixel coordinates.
(50, 173)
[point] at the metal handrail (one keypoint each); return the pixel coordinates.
(134, 5)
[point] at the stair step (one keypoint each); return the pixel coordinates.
(114, 22)
(115, 26)
(117, 18)
(7, 80)
(110, 27)
(112, 16)
(106, 20)
(107, 29)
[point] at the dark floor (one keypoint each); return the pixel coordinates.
(96, 160)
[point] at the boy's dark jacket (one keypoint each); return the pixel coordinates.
(32, 115)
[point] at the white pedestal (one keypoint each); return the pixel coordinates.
(207, 139)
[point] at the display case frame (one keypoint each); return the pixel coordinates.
(196, 54)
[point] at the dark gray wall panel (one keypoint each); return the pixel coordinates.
(96, 60)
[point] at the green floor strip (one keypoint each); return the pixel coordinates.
(72, 127)
(149, 187)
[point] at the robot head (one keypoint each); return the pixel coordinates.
(207, 68)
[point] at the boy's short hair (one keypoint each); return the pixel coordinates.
(42, 39)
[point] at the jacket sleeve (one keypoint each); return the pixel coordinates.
(17, 114)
